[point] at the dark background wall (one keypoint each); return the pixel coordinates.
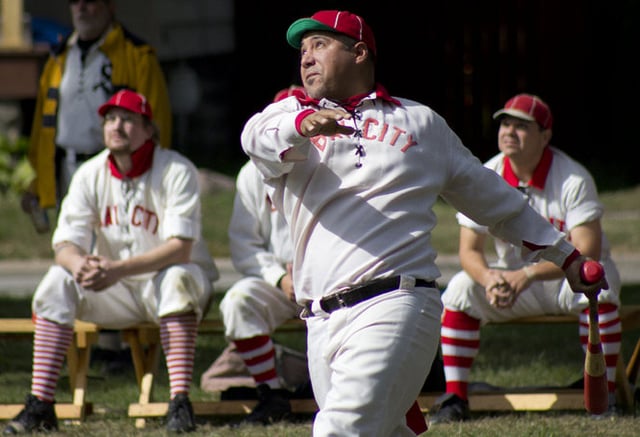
(465, 58)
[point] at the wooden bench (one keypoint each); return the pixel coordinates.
(145, 347)
(560, 398)
(84, 336)
(540, 400)
(144, 342)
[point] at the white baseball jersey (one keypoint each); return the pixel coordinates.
(260, 250)
(121, 218)
(350, 223)
(561, 190)
(564, 193)
(258, 235)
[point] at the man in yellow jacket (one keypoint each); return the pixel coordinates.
(97, 59)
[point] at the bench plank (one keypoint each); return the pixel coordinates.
(145, 346)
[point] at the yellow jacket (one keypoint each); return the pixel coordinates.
(134, 65)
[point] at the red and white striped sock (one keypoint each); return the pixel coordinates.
(259, 356)
(50, 344)
(610, 337)
(178, 337)
(460, 337)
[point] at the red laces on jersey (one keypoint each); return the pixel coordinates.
(141, 158)
(352, 102)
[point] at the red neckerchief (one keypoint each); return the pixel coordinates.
(141, 159)
(539, 174)
(352, 102)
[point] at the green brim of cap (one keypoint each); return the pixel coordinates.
(300, 27)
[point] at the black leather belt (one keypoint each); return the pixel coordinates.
(352, 296)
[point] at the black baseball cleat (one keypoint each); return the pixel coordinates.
(180, 417)
(273, 406)
(36, 416)
(449, 408)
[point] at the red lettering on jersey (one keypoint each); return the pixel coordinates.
(374, 131)
(410, 143)
(144, 218)
(320, 142)
(365, 129)
(136, 216)
(383, 132)
(396, 134)
(107, 217)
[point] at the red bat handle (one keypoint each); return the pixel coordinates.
(592, 272)
(595, 376)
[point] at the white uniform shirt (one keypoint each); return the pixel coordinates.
(85, 85)
(561, 190)
(258, 234)
(350, 225)
(128, 219)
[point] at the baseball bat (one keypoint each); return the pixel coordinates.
(596, 392)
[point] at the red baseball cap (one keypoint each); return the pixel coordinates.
(129, 100)
(343, 22)
(527, 107)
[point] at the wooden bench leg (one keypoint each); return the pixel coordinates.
(634, 365)
(145, 352)
(623, 388)
(78, 358)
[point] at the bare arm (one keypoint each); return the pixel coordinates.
(587, 238)
(98, 272)
(474, 262)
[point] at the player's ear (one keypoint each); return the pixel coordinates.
(361, 50)
(546, 135)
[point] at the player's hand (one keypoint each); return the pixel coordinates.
(286, 284)
(97, 274)
(577, 284)
(498, 291)
(325, 122)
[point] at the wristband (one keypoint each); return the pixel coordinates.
(572, 256)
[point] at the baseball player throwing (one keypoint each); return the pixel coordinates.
(127, 250)
(564, 193)
(356, 173)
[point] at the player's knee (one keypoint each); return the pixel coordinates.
(460, 288)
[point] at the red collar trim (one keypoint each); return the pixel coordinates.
(141, 158)
(352, 102)
(539, 174)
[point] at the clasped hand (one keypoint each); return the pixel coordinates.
(499, 291)
(94, 273)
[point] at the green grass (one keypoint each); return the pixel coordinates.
(18, 239)
(511, 356)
